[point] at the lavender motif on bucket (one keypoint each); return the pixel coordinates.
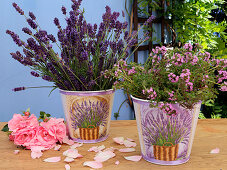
(165, 136)
(88, 117)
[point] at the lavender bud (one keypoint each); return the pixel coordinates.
(32, 23)
(35, 74)
(32, 16)
(47, 78)
(123, 14)
(149, 20)
(63, 9)
(56, 22)
(18, 89)
(27, 30)
(18, 9)
(52, 38)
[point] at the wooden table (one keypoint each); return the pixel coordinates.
(209, 135)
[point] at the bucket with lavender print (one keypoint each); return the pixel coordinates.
(165, 139)
(88, 114)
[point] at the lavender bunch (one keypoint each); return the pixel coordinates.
(86, 50)
(89, 113)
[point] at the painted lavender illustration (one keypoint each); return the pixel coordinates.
(165, 133)
(88, 117)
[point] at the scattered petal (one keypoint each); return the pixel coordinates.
(127, 150)
(96, 149)
(117, 163)
(72, 153)
(93, 164)
(103, 156)
(67, 167)
(68, 141)
(57, 147)
(131, 140)
(216, 150)
(76, 145)
(112, 149)
(52, 159)
(38, 148)
(133, 158)
(35, 155)
(129, 144)
(16, 152)
(69, 159)
(119, 140)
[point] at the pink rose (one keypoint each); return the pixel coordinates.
(56, 128)
(42, 138)
(36, 136)
(18, 122)
(24, 136)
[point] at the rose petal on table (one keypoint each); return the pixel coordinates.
(135, 158)
(52, 159)
(216, 150)
(117, 163)
(131, 140)
(35, 155)
(127, 150)
(72, 153)
(93, 164)
(119, 140)
(103, 156)
(96, 148)
(16, 152)
(68, 141)
(76, 145)
(129, 144)
(112, 149)
(38, 148)
(57, 147)
(67, 167)
(69, 159)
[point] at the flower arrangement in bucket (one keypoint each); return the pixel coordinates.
(167, 92)
(84, 52)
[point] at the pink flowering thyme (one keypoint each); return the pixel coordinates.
(185, 75)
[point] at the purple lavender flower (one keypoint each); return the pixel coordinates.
(150, 19)
(57, 23)
(15, 38)
(47, 78)
(32, 43)
(27, 30)
(35, 74)
(18, 9)
(32, 16)
(63, 9)
(18, 89)
(52, 38)
(32, 23)
(123, 14)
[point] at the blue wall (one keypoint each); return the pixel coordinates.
(13, 74)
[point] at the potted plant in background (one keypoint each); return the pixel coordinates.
(167, 93)
(86, 51)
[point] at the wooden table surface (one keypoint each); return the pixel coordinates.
(209, 135)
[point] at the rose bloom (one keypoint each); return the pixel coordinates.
(18, 122)
(37, 136)
(24, 136)
(56, 128)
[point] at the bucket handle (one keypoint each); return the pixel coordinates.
(166, 143)
(91, 125)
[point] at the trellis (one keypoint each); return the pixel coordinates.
(160, 20)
